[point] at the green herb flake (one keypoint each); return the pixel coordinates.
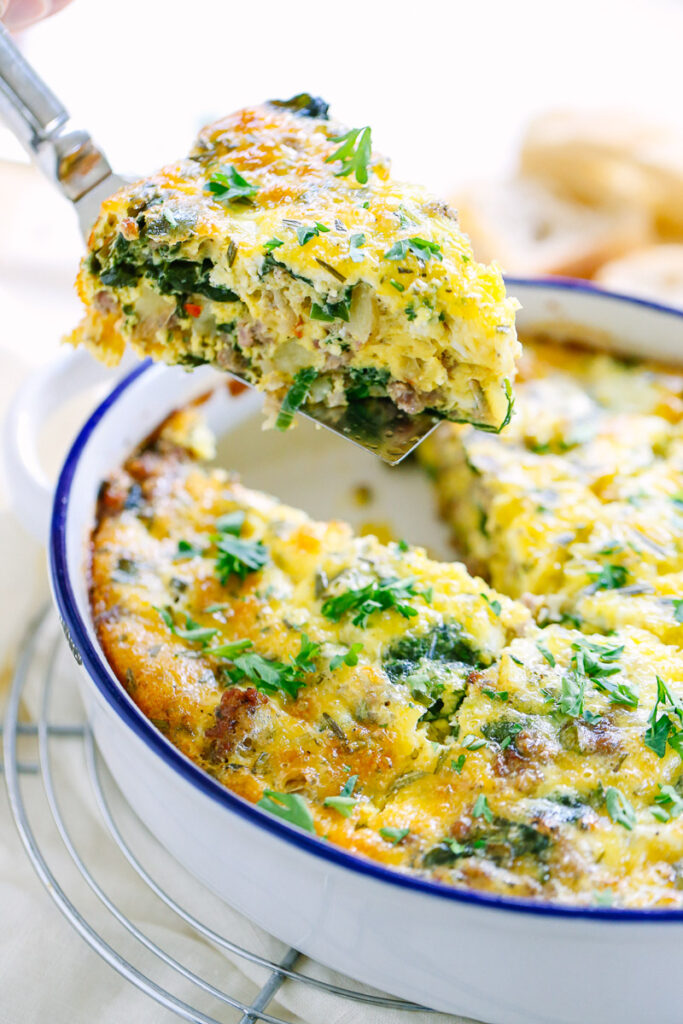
(619, 809)
(472, 742)
(295, 397)
(291, 807)
(268, 676)
(421, 248)
(394, 835)
(229, 185)
(272, 243)
(678, 609)
(381, 596)
(458, 764)
(549, 657)
(191, 631)
(350, 658)
(481, 808)
(354, 154)
(397, 285)
(610, 577)
(667, 727)
(494, 605)
(187, 550)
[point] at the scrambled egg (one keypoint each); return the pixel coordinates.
(393, 705)
(283, 250)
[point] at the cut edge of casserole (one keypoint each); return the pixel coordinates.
(283, 250)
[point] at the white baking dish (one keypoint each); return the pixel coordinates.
(493, 959)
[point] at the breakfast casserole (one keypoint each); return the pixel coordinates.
(284, 251)
(390, 704)
(578, 506)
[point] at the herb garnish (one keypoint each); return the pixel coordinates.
(594, 663)
(610, 577)
(236, 556)
(191, 631)
(458, 764)
(667, 795)
(678, 609)
(305, 232)
(187, 550)
(421, 248)
(350, 658)
(289, 806)
(668, 727)
(272, 243)
(481, 808)
(397, 285)
(267, 675)
(494, 605)
(354, 154)
(295, 397)
(619, 809)
(375, 597)
(394, 835)
(228, 184)
(345, 802)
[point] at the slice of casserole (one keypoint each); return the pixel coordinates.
(283, 250)
(388, 703)
(580, 502)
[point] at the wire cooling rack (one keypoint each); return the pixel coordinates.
(32, 756)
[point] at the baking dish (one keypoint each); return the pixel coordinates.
(505, 961)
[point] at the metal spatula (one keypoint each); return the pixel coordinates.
(80, 170)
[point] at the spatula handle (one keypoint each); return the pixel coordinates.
(32, 111)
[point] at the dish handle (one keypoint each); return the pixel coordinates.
(42, 395)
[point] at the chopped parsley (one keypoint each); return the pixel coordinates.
(619, 809)
(350, 658)
(678, 609)
(481, 808)
(674, 804)
(268, 676)
(610, 577)
(192, 631)
(549, 657)
(228, 184)
(410, 311)
(421, 248)
(236, 557)
(290, 807)
(354, 154)
(494, 605)
(397, 285)
(458, 764)
(305, 232)
(394, 835)
(375, 597)
(272, 243)
(666, 727)
(345, 802)
(593, 663)
(295, 397)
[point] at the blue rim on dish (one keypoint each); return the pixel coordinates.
(103, 678)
